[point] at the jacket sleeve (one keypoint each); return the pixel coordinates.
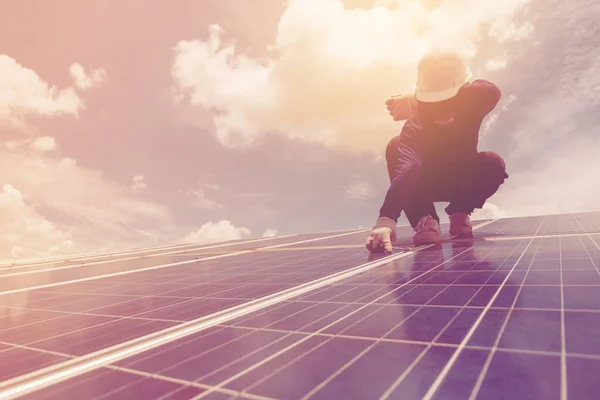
(407, 161)
(480, 96)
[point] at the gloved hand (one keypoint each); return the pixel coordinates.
(402, 107)
(382, 235)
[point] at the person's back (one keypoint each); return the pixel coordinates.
(450, 128)
(435, 157)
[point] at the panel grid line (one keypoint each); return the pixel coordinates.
(428, 345)
(140, 373)
(440, 378)
(116, 318)
(192, 247)
(37, 380)
(468, 316)
(267, 279)
(262, 362)
(162, 266)
(494, 348)
(314, 333)
(338, 372)
(434, 340)
(563, 343)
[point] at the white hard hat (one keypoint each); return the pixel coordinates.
(440, 75)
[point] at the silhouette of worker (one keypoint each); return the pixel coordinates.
(435, 157)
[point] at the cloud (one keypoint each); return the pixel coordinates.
(558, 182)
(201, 201)
(270, 232)
(550, 135)
(490, 210)
(43, 144)
(495, 65)
(359, 191)
(96, 213)
(23, 94)
(48, 203)
(491, 119)
(26, 233)
(216, 232)
(84, 81)
(138, 183)
(330, 69)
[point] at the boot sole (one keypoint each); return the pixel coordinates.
(427, 239)
(462, 234)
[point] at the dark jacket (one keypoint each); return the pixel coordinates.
(438, 139)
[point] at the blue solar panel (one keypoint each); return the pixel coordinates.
(512, 313)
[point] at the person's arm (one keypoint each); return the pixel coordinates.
(402, 107)
(480, 96)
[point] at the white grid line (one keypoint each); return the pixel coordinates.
(265, 360)
(442, 331)
(162, 266)
(48, 376)
(495, 345)
(213, 295)
(563, 344)
(561, 274)
(185, 252)
(442, 375)
(141, 254)
(136, 372)
(421, 355)
(338, 372)
(115, 318)
(262, 362)
(418, 306)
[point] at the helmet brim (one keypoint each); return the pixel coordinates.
(434, 97)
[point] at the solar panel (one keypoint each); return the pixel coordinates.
(512, 313)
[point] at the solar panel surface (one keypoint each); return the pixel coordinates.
(512, 313)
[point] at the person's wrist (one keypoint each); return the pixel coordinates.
(385, 222)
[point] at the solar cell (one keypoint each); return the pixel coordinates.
(512, 313)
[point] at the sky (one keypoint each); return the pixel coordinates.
(134, 123)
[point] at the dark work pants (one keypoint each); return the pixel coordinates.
(465, 185)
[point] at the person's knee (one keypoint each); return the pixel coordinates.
(493, 160)
(391, 156)
(391, 151)
(409, 172)
(493, 163)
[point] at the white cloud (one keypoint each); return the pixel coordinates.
(557, 183)
(495, 65)
(94, 79)
(95, 212)
(23, 94)
(553, 161)
(139, 183)
(49, 204)
(359, 191)
(270, 232)
(490, 210)
(26, 233)
(43, 144)
(216, 232)
(201, 201)
(490, 121)
(330, 68)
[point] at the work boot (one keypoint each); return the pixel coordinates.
(460, 225)
(427, 231)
